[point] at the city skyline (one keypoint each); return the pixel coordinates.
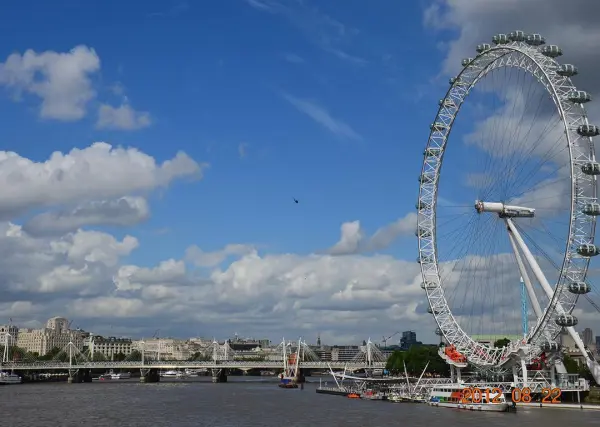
(257, 176)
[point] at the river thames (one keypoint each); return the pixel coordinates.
(242, 402)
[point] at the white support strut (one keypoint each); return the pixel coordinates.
(535, 304)
(537, 271)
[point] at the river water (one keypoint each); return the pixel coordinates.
(241, 402)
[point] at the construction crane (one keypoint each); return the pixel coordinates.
(385, 340)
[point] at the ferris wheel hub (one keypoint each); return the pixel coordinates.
(503, 210)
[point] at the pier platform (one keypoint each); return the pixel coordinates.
(579, 406)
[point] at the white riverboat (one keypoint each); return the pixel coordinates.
(172, 374)
(474, 399)
(120, 376)
(8, 378)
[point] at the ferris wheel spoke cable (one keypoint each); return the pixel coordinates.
(516, 155)
(587, 296)
(473, 227)
(504, 145)
(543, 162)
(518, 180)
(511, 150)
(521, 158)
(470, 289)
(521, 181)
(508, 170)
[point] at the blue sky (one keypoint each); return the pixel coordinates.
(328, 102)
(214, 75)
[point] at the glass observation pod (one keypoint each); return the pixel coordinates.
(591, 168)
(422, 206)
(432, 152)
(457, 82)
(517, 36)
(446, 102)
(483, 47)
(422, 232)
(579, 288)
(567, 70)
(425, 179)
(551, 51)
(579, 97)
(425, 259)
(588, 250)
(550, 346)
(432, 311)
(428, 285)
(500, 39)
(588, 130)
(439, 332)
(438, 127)
(592, 209)
(466, 61)
(535, 40)
(566, 320)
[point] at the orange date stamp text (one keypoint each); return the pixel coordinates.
(518, 395)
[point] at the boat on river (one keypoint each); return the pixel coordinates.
(458, 396)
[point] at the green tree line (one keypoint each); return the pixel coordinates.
(415, 359)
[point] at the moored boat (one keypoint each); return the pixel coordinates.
(8, 378)
(372, 395)
(459, 396)
(172, 374)
(120, 376)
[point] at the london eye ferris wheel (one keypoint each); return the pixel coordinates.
(516, 203)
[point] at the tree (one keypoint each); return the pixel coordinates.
(415, 359)
(135, 356)
(51, 354)
(16, 354)
(199, 357)
(503, 342)
(570, 364)
(99, 357)
(119, 357)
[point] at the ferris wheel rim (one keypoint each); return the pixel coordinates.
(478, 353)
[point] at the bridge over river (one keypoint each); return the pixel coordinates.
(79, 366)
(168, 365)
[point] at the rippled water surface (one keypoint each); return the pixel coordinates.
(239, 402)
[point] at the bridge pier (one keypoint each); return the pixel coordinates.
(307, 372)
(77, 376)
(149, 375)
(219, 375)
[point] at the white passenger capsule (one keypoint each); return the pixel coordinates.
(566, 320)
(551, 51)
(535, 40)
(588, 130)
(567, 70)
(500, 39)
(517, 36)
(579, 97)
(483, 47)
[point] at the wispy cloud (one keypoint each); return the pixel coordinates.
(243, 150)
(321, 29)
(322, 117)
(176, 9)
(293, 58)
(265, 5)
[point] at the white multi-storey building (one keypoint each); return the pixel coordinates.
(56, 334)
(8, 335)
(109, 347)
(166, 348)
